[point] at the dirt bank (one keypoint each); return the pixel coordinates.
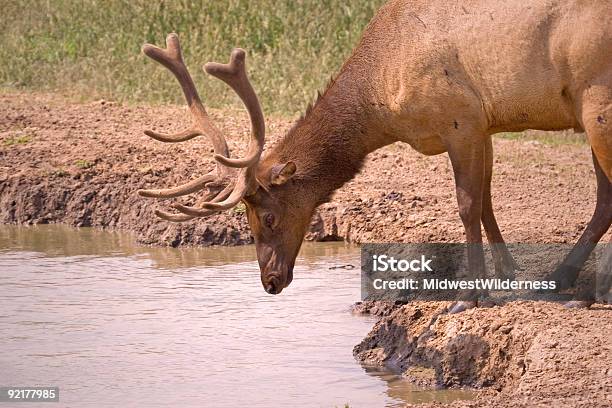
(527, 354)
(80, 164)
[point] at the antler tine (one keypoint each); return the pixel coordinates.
(181, 217)
(178, 137)
(173, 217)
(239, 191)
(215, 195)
(203, 212)
(234, 74)
(172, 59)
(187, 188)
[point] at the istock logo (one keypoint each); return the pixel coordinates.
(384, 263)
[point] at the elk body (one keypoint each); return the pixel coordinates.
(441, 77)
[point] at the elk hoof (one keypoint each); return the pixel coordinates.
(505, 266)
(461, 306)
(565, 276)
(506, 271)
(486, 303)
(578, 304)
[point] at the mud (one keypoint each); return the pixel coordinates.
(522, 354)
(81, 164)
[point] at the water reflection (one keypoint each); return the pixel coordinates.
(401, 390)
(115, 324)
(63, 241)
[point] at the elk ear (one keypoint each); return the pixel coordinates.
(281, 173)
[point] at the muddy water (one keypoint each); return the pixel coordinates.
(114, 324)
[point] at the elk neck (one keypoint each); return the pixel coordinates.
(330, 141)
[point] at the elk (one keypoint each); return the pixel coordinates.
(441, 77)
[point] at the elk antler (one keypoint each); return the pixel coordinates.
(223, 193)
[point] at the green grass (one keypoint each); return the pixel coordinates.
(60, 172)
(547, 138)
(17, 140)
(239, 209)
(83, 164)
(92, 48)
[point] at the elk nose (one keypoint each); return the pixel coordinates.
(272, 287)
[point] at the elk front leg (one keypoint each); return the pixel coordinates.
(505, 265)
(468, 159)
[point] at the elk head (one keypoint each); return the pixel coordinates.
(277, 216)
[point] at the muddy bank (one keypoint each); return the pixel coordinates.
(81, 164)
(526, 354)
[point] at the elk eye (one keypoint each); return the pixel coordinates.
(269, 220)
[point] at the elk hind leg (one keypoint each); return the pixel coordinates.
(566, 274)
(597, 120)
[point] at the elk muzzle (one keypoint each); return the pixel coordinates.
(274, 280)
(276, 270)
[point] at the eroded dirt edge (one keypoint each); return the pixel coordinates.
(81, 164)
(520, 354)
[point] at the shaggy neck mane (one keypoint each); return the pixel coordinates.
(328, 143)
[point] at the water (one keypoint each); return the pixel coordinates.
(113, 324)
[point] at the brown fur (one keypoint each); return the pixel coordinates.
(444, 77)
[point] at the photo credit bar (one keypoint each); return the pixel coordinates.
(439, 271)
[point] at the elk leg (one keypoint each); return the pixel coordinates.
(596, 114)
(566, 274)
(504, 262)
(468, 166)
(604, 280)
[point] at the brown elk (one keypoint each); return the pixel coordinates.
(440, 76)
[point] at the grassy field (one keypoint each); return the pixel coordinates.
(566, 137)
(91, 48)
